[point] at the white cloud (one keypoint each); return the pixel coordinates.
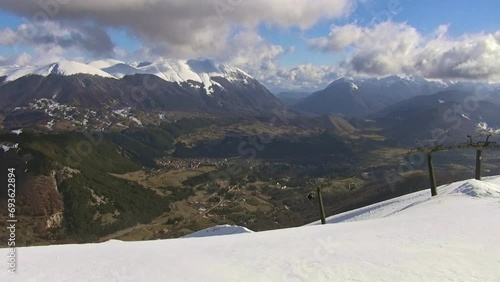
(49, 35)
(247, 48)
(398, 48)
(305, 77)
(22, 59)
(339, 38)
(249, 51)
(227, 31)
(183, 28)
(7, 37)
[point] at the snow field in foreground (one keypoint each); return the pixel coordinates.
(454, 236)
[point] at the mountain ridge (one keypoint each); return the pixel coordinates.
(362, 97)
(82, 94)
(169, 70)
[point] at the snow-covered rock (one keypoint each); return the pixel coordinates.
(484, 127)
(7, 147)
(17, 131)
(219, 230)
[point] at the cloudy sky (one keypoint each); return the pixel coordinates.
(289, 44)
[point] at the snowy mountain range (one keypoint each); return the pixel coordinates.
(451, 237)
(181, 71)
(91, 94)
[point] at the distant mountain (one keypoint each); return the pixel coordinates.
(85, 95)
(291, 97)
(446, 117)
(180, 71)
(361, 97)
(426, 102)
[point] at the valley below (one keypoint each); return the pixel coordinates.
(189, 173)
(114, 150)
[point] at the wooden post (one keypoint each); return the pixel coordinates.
(479, 158)
(431, 175)
(321, 208)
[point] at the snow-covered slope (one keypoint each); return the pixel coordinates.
(104, 63)
(181, 71)
(219, 230)
(61, 68)
(454, 236)
(473, 188)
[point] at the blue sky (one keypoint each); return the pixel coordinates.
(425, 15)
(286, 38)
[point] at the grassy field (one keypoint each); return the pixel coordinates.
(386, 156)
(163, 179)
(213, 133)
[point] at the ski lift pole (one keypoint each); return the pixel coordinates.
(431, 175)
(321, 208)
(479, 158)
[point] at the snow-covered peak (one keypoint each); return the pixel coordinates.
(174, 71)
(399, 79)
(180, 71)
(227, 69)
(391, 80)
(395, 77)
(140, 64)
(71, 68)
(61, 68)
(122, 69)
(204, 66)
(105, 63)
(4, 70)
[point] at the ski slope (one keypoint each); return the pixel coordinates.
(454, 236)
